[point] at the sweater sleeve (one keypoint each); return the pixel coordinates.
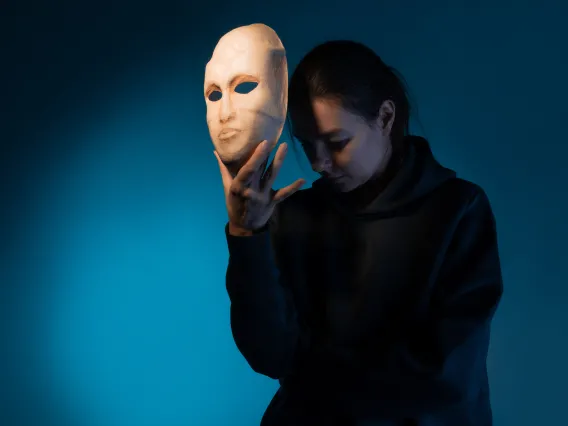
(263, 317)
(444, 364)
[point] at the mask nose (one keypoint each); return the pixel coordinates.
(227, 112)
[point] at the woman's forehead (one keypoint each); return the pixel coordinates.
(322, 120)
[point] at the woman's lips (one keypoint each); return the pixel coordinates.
(228, 133)
(332, 178)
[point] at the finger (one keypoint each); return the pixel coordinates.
(225, 174)
(253, 169)
(265, 179)
(257, 179)
(284, 193)
(237, 189)
(276, 165)
(259, 156)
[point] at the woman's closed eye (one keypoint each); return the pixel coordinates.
(338, 145)
(331, 145)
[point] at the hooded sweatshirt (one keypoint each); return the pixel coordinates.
(376, 313)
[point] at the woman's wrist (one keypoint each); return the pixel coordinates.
(237, 231)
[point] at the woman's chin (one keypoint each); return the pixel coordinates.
(341, 184)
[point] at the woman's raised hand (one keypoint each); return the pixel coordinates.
(249, 196)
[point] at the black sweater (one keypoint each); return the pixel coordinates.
(375, 315)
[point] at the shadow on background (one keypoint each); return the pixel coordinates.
(113, 309)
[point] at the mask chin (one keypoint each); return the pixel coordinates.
(236, 162)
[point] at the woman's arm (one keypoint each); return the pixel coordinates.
(445, 363)
(263, 316)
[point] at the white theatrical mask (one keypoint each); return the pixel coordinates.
(246, 92)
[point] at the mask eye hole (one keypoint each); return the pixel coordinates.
(215, 95)
(246, 87)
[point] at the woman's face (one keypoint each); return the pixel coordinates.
(341, 146)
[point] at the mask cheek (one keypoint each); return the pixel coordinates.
(256, 101)
(258, 111)
(263, 100)
(213, 121)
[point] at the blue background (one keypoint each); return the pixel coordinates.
(113, 306)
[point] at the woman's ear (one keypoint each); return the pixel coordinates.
(385, 120)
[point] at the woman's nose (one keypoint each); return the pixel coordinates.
(322, 161)
(322, 166)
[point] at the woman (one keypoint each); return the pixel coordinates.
(370, 295)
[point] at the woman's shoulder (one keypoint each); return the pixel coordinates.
(465, 195)
(462, 188)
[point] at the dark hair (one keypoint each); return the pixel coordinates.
(354, 75)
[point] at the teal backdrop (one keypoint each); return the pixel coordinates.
(113, 303)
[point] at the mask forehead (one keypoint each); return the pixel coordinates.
(238, 53)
